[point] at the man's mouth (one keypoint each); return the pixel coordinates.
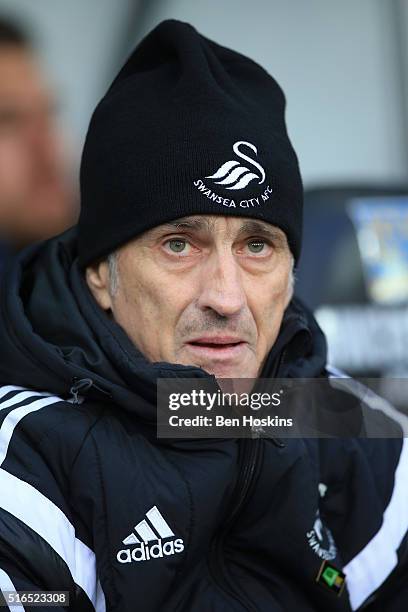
(219, 346)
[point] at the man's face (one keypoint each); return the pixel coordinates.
(34, 199)
(208, 291)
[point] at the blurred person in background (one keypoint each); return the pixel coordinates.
(36, 199)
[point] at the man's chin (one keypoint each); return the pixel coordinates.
(227, 372)
(234, 380)
(232, 361)
(224, 370)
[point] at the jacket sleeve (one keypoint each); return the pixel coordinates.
(16, 591)
(366, 507)
(41, 546)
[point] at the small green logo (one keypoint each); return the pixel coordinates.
(330, 575)
(331, 578)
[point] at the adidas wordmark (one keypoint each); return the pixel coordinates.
(146, 540)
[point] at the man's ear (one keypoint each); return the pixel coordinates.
(97, 278)
(291, 285)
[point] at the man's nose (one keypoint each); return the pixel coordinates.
(222, 288)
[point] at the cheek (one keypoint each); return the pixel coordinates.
(136, 311)
(268, 291)
(268, 302)
(14, 165)
(142, 302)
(149, 312)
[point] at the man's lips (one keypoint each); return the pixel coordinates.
(216, 340)
(217, 346)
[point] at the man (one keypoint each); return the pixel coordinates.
(36, 201)
(181, 267)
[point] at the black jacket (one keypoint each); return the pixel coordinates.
(4, 254)
(229, 524)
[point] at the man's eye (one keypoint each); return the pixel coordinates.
(177, 245)
(256, 246)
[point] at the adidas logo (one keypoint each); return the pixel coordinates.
(152, 529)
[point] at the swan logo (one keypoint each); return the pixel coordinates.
(321, 540)
(234, 175)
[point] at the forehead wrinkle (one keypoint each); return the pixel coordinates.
(209, 225)
(248, 226)
(184, 223)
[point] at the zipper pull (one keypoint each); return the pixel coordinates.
(257, 431)
(80, 387)
(278, 442)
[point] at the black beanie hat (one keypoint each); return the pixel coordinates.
(187, 127)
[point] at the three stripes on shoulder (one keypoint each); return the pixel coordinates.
(38, 513)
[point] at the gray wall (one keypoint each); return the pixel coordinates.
(337, 63)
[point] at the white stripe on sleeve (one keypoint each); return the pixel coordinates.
(9, 389)
(45, 518)
(23, 501)
(374, 563)
(20, 397)
(15, 416)
(7, 585)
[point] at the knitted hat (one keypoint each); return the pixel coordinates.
(187, 127)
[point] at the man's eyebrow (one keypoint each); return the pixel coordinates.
(258, 227)
(186, 223)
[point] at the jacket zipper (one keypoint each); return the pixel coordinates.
(80, 386)
(250, 450)
(219, 572)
